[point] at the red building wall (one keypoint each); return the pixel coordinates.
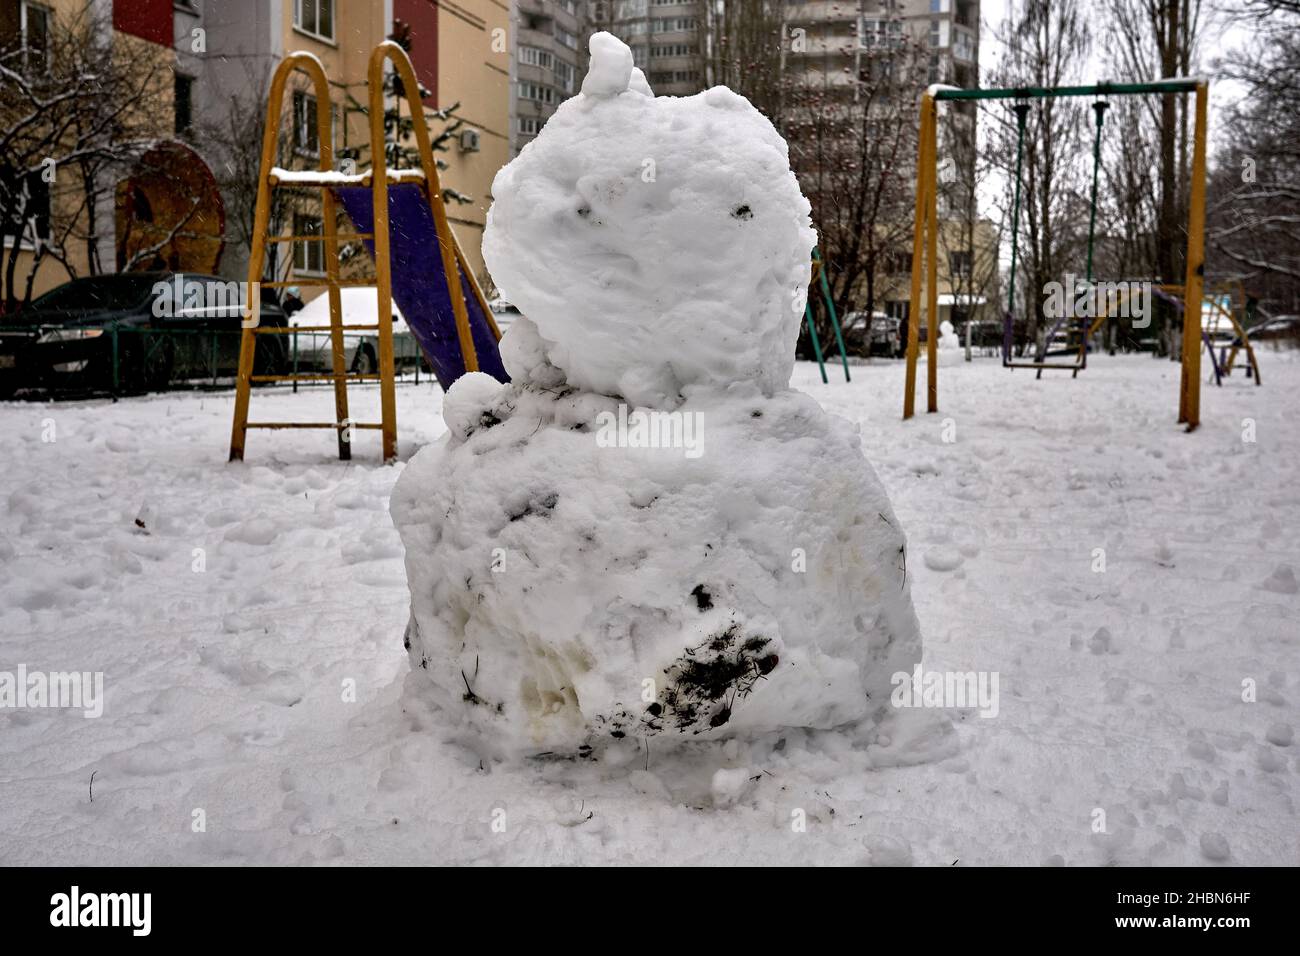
(148, 19)
(422, 18)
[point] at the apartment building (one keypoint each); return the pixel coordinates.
(549, 44)
(665, 37)
(469, 64)
(832, 45)
(551, 55)
(187, 204)
(74, 216)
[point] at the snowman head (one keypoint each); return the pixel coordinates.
(656, 242)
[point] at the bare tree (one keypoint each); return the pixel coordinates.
(744, 48)
(1154, 39)
(75, 112)
(852, 135)
(1254, 214)
(1046, 44)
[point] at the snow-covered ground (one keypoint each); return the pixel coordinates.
(232, 628)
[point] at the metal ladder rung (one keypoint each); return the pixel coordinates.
(290, 330)
(335, 425)
(317, 377)
(332, 179)
(341, 237)
(324, 283)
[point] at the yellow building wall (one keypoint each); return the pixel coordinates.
(154, 114)
(358, 29)
(474, 70)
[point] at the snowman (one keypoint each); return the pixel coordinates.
(647, 533)
(948, 346)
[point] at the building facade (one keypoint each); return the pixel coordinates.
(187, 202)
(549, 59)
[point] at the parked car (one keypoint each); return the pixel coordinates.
(76, 334)
(1280, 328)
(315, 350)
(885, 335)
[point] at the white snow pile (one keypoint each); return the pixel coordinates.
(648, 533)
(660, 241)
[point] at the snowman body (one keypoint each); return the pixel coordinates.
(647, 533)
(949, 345)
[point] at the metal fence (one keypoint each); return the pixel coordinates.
(75, 362)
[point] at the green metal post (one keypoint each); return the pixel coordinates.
(1101, 108)
(1022, 111)
(817, 345)
(835, 322)
(113, 333)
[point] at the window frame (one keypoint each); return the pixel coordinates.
(304, 250)
(47, 14)
(182, 79)
(316, 34)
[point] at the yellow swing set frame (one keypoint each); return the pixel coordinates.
(926, 229)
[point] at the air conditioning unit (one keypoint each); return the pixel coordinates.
(469, 141)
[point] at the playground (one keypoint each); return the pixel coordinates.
(241, 586)
(226, 677)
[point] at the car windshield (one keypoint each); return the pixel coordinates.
(98, 292)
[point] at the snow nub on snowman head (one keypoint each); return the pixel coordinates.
(656, 242)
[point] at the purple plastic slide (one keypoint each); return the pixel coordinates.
(419, 287)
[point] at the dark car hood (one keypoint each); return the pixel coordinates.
(30, 318)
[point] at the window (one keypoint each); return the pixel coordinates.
(29, 196)
(533, 56)
(536, 91)
(304, 124)
(566, 38)
(959, 264)
(963, 46)
(638, 56)
(184, 102)
(34, 22)
(881, 33)
(675, 76)
(530, 125)
(898, 262)
(564, 75)
(674, 25)
(308, 256)
(672, 49)
(314, 17)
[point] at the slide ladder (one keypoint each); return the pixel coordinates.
(400, 217)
